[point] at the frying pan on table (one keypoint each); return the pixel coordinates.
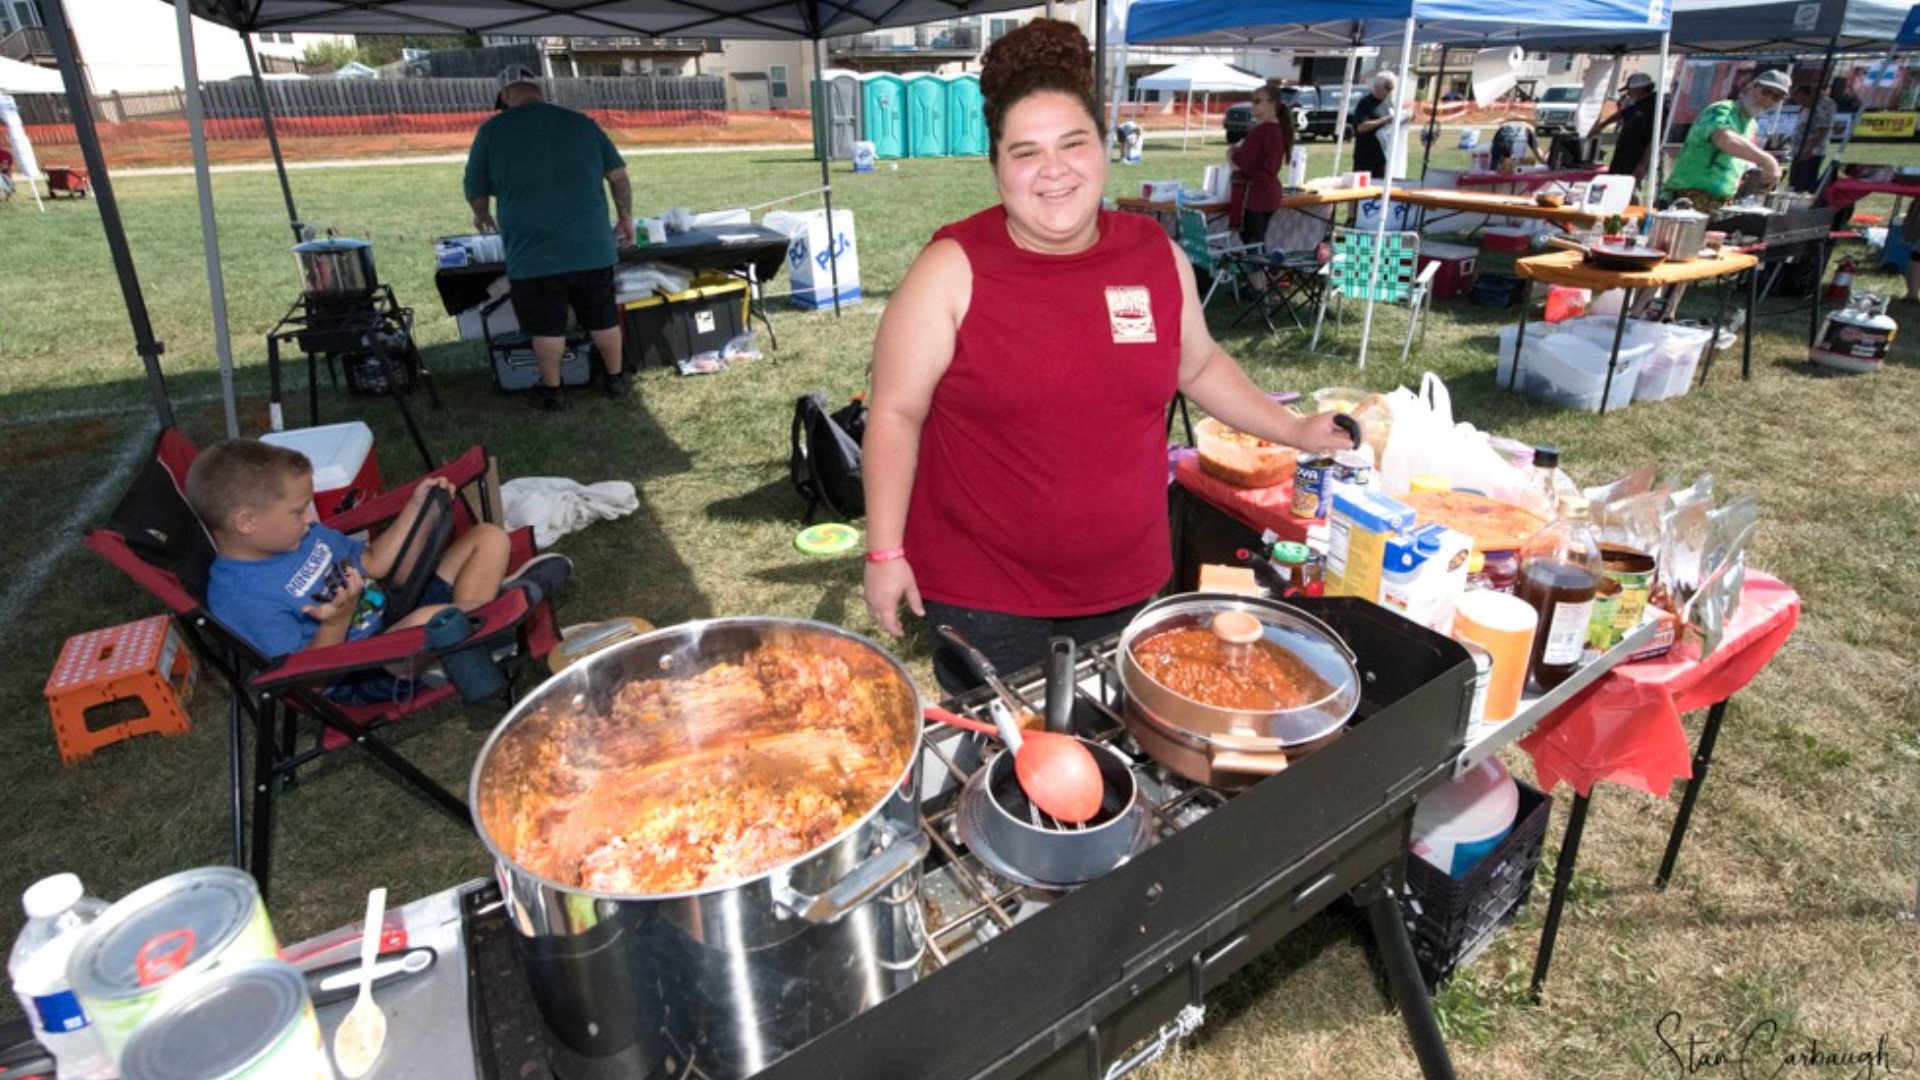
(1615, 256)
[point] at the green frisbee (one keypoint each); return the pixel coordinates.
(831, 538)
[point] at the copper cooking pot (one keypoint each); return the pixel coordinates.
(1233, 748)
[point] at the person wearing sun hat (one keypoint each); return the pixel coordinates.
(1720, 141)
(1635, 119)
(545, 166)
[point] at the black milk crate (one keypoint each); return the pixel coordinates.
(1451, 921)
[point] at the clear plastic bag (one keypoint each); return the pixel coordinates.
(742, 347)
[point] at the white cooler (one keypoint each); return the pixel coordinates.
(345, 471)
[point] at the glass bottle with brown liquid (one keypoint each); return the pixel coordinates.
(1560, 568)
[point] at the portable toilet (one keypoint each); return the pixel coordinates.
(966, 116)
(883, 113)
(926, 115)
(836, 114)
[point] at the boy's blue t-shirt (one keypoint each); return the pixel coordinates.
(261, 600)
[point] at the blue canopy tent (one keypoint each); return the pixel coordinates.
(1354, 23)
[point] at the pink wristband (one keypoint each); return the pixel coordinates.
(887, 554)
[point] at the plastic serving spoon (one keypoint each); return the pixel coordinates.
(357, 1042)
(1058, 773)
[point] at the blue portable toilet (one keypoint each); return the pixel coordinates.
(836, 114)
(966, 116)
(926, 115)
(883, 113)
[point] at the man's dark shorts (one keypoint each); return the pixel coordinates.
(541, 303)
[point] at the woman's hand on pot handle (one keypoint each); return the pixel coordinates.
(887, 584)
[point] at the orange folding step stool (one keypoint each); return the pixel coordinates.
(142, 660)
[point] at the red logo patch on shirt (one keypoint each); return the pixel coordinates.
(1130, 314)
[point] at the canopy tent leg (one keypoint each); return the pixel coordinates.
(1660, 105)
(273, 138)
(1433, 117)
(1341, 108)
(1394, 152)
(1099, 55)
(826, 193)
(209, 230)
(144, 343)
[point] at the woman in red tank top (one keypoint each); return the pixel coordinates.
(1015, 457)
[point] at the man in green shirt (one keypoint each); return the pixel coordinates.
(545, 166)
(1720, 141)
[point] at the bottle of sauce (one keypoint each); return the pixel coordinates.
(1560, 569)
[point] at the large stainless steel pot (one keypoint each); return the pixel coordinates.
(735, 975)
(1679, 230)
(336, 266)
(1228, 748)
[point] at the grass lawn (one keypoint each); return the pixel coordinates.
(1802, 854)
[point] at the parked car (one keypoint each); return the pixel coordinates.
(1239, 118)
(1323, 119)
(1558, 111)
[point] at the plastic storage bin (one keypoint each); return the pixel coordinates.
(1452, 920)
(661, 331)
(345, 471)
(514, 367)
(1566, 365)
(1670, 366)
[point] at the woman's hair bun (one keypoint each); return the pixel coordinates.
(1053, 46)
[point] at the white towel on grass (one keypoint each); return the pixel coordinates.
(555, 506)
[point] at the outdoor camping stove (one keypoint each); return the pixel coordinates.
(365, 335)
(1094, 981)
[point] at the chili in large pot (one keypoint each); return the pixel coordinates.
(708, 842)
(1223, 689)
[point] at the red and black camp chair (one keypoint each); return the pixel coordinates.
(154, 537)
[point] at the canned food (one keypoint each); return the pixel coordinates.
(1353, 467)
(185, 924)
(1310, 478)
(1482, 675)
(244, 1021)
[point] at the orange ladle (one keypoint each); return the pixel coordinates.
(1055, 777)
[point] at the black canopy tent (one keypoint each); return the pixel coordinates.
(798, 20)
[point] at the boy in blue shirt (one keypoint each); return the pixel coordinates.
(286, 583)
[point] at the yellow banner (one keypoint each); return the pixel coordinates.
(1886, 125)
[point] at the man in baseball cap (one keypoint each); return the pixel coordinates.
(513, 75)
(550, 171)
(1635, 119)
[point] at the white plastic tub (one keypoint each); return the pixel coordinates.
(1460, 823)
(1670, 367)
(1565, 366)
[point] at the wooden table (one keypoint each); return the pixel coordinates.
(1570, 268)
(1307, 201)
(1520, 206)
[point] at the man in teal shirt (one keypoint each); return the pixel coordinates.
(1708, 170)
(545, 166)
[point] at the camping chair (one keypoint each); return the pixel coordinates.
(1216, 257)
(154, 538)
(1401, 280)
(1292, 283)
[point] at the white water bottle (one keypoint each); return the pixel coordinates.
(58, 911)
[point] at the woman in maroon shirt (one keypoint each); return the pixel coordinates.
(1257, 161)
(1015, 457)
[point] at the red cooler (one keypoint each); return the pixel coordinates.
(345, 471)
(1455, 276)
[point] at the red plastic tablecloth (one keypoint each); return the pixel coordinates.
(1257, 508)
(1626, 726)
(1843, 193)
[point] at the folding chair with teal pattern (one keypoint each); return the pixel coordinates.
(1215, 257)
(1399, 279)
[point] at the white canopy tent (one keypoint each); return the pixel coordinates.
(1205, 74)
(19, 78)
